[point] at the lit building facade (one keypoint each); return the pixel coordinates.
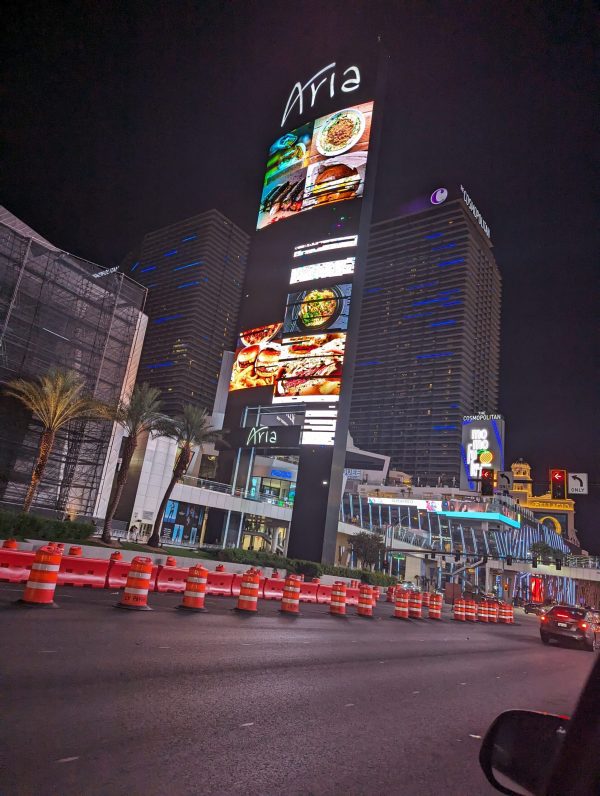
(193, 271)
(429, 343)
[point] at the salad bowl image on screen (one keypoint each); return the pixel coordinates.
(310, 368)
(318, 309)
(256, 358)
(316, 164)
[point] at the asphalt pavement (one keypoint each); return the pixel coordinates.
(97, 700)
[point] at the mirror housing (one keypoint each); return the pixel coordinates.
(520, 749)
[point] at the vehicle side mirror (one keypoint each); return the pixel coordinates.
(520, 749)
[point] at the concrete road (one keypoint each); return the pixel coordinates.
(101, 701)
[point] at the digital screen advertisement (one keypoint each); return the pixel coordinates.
(310, 368)
(256, 358)
(333, 268)
(317, 164)
(318, 309)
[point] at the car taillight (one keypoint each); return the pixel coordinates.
(583, 625)
(543, 618)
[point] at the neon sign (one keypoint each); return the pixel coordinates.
(313, 84)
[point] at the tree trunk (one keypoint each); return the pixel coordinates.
(128, 451)
(46, 445)
(181, 466)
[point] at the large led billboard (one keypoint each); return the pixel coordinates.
(256, 358)
(317, 164)
(482, 446)
(310, 368)
(318, 309)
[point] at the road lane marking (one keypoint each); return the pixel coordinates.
(248, 724)
(416, 692)
(349, 705)
(474, 736)
(462, 683)
(67, 759)
(48, 651)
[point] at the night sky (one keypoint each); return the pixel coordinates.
(119, 118)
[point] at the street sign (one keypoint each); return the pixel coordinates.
(577, 484)
(505, 479)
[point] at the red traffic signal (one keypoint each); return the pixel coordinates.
(487, 481)
(558, 484)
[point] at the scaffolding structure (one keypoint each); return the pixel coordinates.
(59, 310)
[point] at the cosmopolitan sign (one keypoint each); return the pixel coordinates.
(350, 78)
(469, 203)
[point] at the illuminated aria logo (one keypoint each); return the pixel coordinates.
(262, 435)
(438, 196)
(350, 78)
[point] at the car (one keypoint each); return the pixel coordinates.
(533, 608)
(563, 759)
(563, 622)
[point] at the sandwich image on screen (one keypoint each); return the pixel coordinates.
(256, 358)
(310, 368)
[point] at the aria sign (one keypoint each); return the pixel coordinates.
(469, 203)
(266, 437)
(350, 78)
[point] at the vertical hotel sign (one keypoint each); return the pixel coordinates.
(304, 282)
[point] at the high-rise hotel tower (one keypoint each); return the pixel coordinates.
(193, 270)
(429, 343)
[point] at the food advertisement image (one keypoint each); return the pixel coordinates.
(318, 309)
(256, 358)
(317, 164)
(310, 368)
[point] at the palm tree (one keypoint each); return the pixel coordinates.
(190, 430)
(54, 400)
(140, 415)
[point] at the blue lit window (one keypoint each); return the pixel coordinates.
(443, 323)
(134, 266)
(425, 301)
(423, 284)
(189, 237)
(188, 284)
(368, 363)
(373, 290)
(443, 246)
(171, 253)
(165, 318)
(454, 406)
(148, 268)
(435, 356)
(445, 263)
(434, 235)
(188, 265)
(443, 428)
(451, 303)
(166, 364)
(447, 292)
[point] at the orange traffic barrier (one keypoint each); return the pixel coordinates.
(324, 594)
(504, 613)
(135, 595)
(376, 594)
(40, 588)
(10, 544)
(75, 550)
(435, 606)
(426, 598)
(195, 589)
(492, 611)
(290, 602)
(309, 591)
(482, 611)
(352, 593)
(511, 615)
(365, 600)
(470, 610)
(248, 597)
(459, 610)
(220, 582)
(171, 578)
(337, 606)
(116, 556)
(78, 571)
(389, 596)
(15, 565)
(220, 568)
(171, 561)
(415, 605)
(273, 588)
(401, 606)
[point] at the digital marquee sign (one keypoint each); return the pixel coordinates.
(482, 447)
(320, 163)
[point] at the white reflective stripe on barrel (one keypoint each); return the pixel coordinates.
(45, 567)
(134, 573)
(187, 593)
(129, 590)
(337, 604)
(36, 585)
(196, 580)
(248, 598)
(288, 601)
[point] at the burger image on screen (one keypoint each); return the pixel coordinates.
(335, 182)
(267, 361)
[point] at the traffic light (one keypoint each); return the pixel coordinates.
(487, 481)
(558, 562)
(534, 562)
(558, 484)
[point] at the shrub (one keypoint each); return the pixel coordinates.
(35, 527)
